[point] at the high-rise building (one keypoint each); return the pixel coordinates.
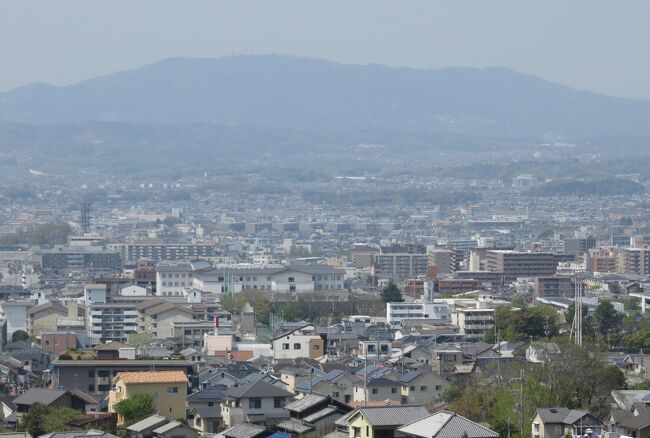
(517, 264)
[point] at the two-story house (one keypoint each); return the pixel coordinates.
(376, 390)
(255, 402)
(422, 387)
(445, 424)
(382, 421)
(168, 389)
(560, 422)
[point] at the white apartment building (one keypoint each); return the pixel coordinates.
(398, 312)
(15, 313)
(110, 322)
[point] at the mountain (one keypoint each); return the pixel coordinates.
(281, 92)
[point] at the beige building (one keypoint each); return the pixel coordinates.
(156, 317)
(43, 318)
(474, 323)
(302, 342)
(377, 390)
(168, 389)
(422, 387)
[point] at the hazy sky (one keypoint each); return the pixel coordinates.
(589, 44)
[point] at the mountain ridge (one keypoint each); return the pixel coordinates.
(290, 92)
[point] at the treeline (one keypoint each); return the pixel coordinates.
(44, 235)
(574, 377)
(394, 197)
(602, 187)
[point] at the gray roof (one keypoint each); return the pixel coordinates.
(167, 427)
(207, 412)
(626, 398)
(392, 415)
(325, 412)
(81, 433)
(40, 395)
(257, 389)
(148, 423)
(560, 415)
(408, 377)
(446, 424)
(294, 425)
(244, 430)
(308, 401)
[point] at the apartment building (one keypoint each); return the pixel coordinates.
(110, 322)
(474, 323)
(442, 260)
(636, 261)
(399, 265)
(64, 259)
(398, 312)
(158, 252)
(553, 286)
(156, 317)
(517, 264)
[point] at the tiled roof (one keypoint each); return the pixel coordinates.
(446, 424)
(393, 415)
(153, 377)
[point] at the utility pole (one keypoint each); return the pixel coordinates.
(521, 402)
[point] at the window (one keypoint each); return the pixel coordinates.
(210, 404)
(438, 387)
(285, 346)
(255, 403)
(423, 388)
(412, 388)
(278, 402)
(91, 373)
(296, 346)
(316, 347)
(393, 390)
(367, 430)
(292, 279)
(558, 430)
(104, 388)
(335, 395)
(172, 390)
(91, 388)
(357, 432)
(104, 373)
(374, 390)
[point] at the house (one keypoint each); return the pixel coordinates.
(301, 342)
(47, 397)
(92, 433)
(382, 421)
(338, 384)
(207, 398)
(207, 420)
(445, 424)
(43, 317)
(144, 428)
(377, 389)
(558, 422)
(422, 387)
(168, 388)
(313, 415)
(634, 422)
(255, 402)
(175, 429)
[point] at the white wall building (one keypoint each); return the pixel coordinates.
(15, 312)
(398, 312)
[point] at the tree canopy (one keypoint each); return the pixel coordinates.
(391, 294)
(136, 408)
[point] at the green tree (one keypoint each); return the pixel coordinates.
(391, 294)
(33, 421)
(608, 320)
(135, 408)
(57, 418)
(20, 335)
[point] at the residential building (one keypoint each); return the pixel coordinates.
(376, 390)
(44, 317)
(399, 265)
(442, 260)
(106, 322)
(554, 286)
(398, 312)
(95, 375)
(561, 422)
(517, 264)
(445, 424)
(474, 323)
(382, 421)
(64, 260)
(258, 402)
(47, 397)
(302, 342)
(636, 260)
(168, 389)
(156, 317)
(422, 387)
(634, 422)
(15, 314)
(338, 384)
(158, 252)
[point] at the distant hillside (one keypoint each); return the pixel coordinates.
(307, 94)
